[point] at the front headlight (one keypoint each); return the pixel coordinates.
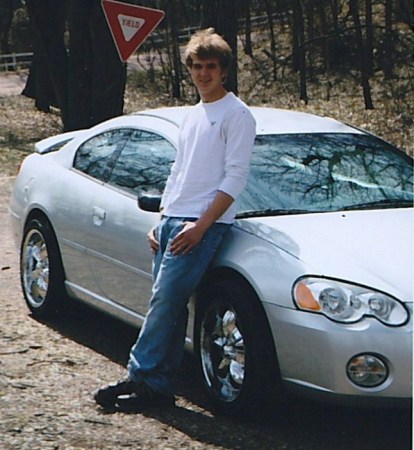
(345, 302)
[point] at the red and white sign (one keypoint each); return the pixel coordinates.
(130, 25)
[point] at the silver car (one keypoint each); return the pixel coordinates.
(312, 291)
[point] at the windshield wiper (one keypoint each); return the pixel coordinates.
(272, 212)
(379, 204)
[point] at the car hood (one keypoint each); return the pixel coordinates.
(374, 248)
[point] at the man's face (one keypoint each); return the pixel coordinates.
(207, 76)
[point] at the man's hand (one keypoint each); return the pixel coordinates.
(153, 242)
(193, 232)
(187, 238)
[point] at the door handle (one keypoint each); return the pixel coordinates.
(98, 215)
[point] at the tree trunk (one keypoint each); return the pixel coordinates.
(388, 41)
(335, 15)
(223, 15)
(80, 81)
(7, 8)
(353, 5)
(176, 75)
(269, 12)
(88, 84)
(369, 38)
(48, 78)
(248, 48)
(404, 12)
(300, 57)
(322, 6)
(94, 53)
(308, 10)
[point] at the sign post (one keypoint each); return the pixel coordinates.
(130, 25)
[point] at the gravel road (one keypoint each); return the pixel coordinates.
(48, 371)
(12, 83)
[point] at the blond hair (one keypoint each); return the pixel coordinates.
(207, 44)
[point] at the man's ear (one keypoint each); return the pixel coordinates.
(224, 76)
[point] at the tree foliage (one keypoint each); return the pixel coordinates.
(76, 66)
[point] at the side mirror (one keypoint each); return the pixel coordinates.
(149, 202)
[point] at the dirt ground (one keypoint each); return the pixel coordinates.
(12, 83)
(48, 371)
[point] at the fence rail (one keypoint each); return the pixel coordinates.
(15, 61)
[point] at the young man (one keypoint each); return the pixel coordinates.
(210, 170)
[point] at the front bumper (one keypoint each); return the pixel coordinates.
(313, 353)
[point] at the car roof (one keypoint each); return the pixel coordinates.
(268, 120)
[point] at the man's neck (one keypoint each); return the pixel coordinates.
(214, 97)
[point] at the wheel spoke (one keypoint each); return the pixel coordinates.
(237, 372)
(228, 391)
(223, 354)
(229, 323)
(36, 268)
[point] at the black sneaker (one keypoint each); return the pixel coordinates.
(106, 396)
(144, 397)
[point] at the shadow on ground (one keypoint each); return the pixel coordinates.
(298, 424)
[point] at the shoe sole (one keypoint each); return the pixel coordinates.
(107, 396)
(105, 403)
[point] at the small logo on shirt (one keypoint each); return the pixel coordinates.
(213, 123)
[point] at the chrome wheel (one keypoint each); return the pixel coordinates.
(41, 271)
(35, 268)
(222, 352)
(234, 348)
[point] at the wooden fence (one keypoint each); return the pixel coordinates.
(15, 61)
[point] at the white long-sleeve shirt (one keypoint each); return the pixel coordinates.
(214, 152)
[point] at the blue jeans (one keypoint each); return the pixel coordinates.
(156, 356)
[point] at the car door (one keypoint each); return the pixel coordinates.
(76, 216)
(121, 261)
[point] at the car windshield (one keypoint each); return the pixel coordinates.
(325, 172)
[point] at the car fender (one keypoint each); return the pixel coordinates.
(269, 269)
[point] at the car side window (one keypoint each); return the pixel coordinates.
(144, 163)
(95, 156)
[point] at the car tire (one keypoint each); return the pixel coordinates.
(41, 270)
(235, 351)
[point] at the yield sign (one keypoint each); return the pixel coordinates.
(130, 25)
